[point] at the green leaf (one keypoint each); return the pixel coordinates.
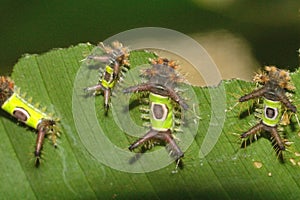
(215, 165)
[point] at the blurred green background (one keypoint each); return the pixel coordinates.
(270, 28)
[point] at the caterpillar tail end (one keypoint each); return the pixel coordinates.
(37, 159)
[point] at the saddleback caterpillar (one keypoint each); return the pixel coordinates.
(23, 111)
(112, 63)
(164, 101)
(275, 83)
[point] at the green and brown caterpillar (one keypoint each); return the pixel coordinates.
(115, 60)
(23, 111)
(274, 85)
(162, 80)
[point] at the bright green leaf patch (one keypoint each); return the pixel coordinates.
(71, 172)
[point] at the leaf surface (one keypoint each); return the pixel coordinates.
(71, 171)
